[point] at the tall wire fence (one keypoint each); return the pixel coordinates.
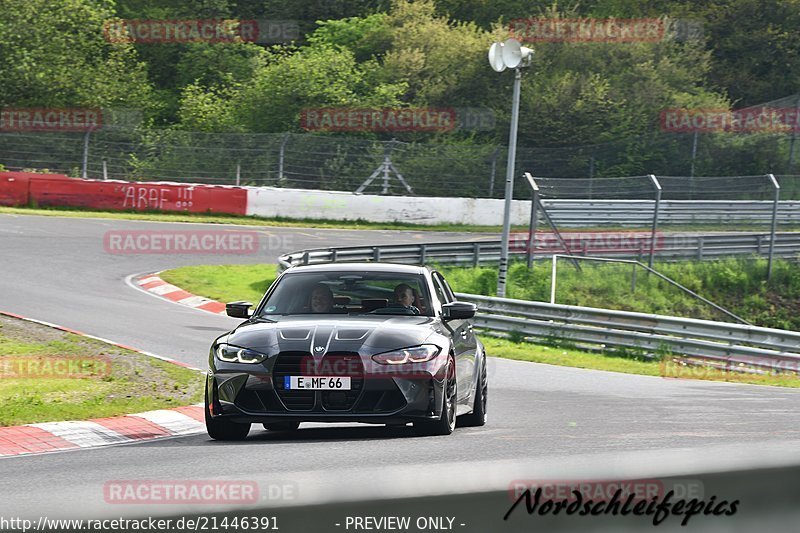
(457, 168)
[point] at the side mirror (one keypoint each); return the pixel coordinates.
(458, 310)
(238, 309)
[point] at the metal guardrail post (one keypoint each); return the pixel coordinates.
(772, 236)
(422, 254)
(476, 254)
(334, 255)
(657, 186)
(376, 253)
(534, 216)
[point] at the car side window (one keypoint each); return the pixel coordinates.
(447, 289)
(441, 292)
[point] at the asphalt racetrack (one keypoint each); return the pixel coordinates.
(547, 421)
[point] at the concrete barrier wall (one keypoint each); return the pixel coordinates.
(19, 188)
(333, 205)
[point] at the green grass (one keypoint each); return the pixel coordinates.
(225, 283)
(132, 383)
(249, 282)
(668, 368)
(738, 284)
(250, 220)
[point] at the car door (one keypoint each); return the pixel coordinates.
(463, 340)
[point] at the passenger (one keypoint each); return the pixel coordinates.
(321, 299)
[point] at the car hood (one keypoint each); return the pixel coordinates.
(320, 335)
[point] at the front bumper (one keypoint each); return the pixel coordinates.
(255, 394)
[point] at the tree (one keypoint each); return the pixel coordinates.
(54, 54)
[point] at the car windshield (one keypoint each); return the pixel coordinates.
(342, 292)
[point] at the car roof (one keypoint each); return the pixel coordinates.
(368, 267)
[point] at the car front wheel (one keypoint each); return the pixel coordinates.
(447, 421)
(478, 415)
(221, 429)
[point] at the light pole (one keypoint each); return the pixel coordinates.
(501, 56)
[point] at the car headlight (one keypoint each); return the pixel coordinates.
(235, 354)
(415, 354)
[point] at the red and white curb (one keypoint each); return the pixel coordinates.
(57, 436)
(158, 287)
(101, 339)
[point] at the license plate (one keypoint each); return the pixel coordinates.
(316, 383)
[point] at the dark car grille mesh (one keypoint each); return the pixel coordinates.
(290, 364)
(342, 365)
(333, 364)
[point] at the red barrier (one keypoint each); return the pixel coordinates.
(14, 186)
(55, 190)
(13, 191)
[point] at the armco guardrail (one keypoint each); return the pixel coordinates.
(706, 339)
(670, 246)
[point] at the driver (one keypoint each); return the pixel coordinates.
(404, 296)
(321, 299)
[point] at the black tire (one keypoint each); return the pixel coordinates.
(478, 415)
(221, 429)
(282, 426)
(447, 421)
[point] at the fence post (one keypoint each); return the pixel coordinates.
(633, 278)
(281, 157)
(493, 160)
(553, 280)
(794, 136)
(238, 173)
(85, 153)
(591, 177)
(105, 169)
(772, 237)
(534, 216)
(657, 186)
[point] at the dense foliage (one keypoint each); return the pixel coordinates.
(420, 53)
